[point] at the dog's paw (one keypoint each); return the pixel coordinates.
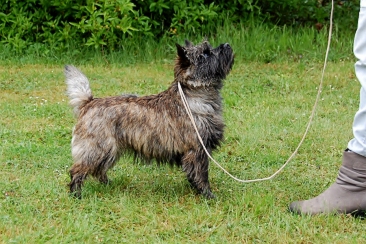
(75, 194)
(209, 195)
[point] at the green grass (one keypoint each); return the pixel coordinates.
(251, 42)
(266, 110)
(268, 98)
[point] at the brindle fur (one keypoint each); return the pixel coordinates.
(154, 127)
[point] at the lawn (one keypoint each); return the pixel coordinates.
(266, 109)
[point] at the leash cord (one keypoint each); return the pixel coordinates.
(186, 106)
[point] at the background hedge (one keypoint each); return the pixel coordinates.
(56, 24)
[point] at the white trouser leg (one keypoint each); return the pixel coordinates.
(358, 143)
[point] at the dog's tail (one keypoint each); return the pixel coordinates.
(78, 88)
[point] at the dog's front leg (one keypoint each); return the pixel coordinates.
(195, 165)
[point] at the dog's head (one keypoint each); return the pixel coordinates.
(202, 65)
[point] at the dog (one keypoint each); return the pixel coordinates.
(154, 127)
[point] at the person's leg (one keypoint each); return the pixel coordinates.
(358, 144)
(348, 193)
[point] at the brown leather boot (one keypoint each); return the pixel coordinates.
(346, 195)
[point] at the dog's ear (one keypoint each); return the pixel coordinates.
(206, 46)
(188, 43)
(183, 60)
(181, 51)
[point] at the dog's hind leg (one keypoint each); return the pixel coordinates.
(103, 178)
(195, 165)
(101, 168)
(78, 174)
(91, 159)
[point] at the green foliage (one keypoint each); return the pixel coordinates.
(57, 24)
(179, 17)
(45, 27)
(299, 12)
(251, 42)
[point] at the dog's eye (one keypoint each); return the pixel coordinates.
(206, 53)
